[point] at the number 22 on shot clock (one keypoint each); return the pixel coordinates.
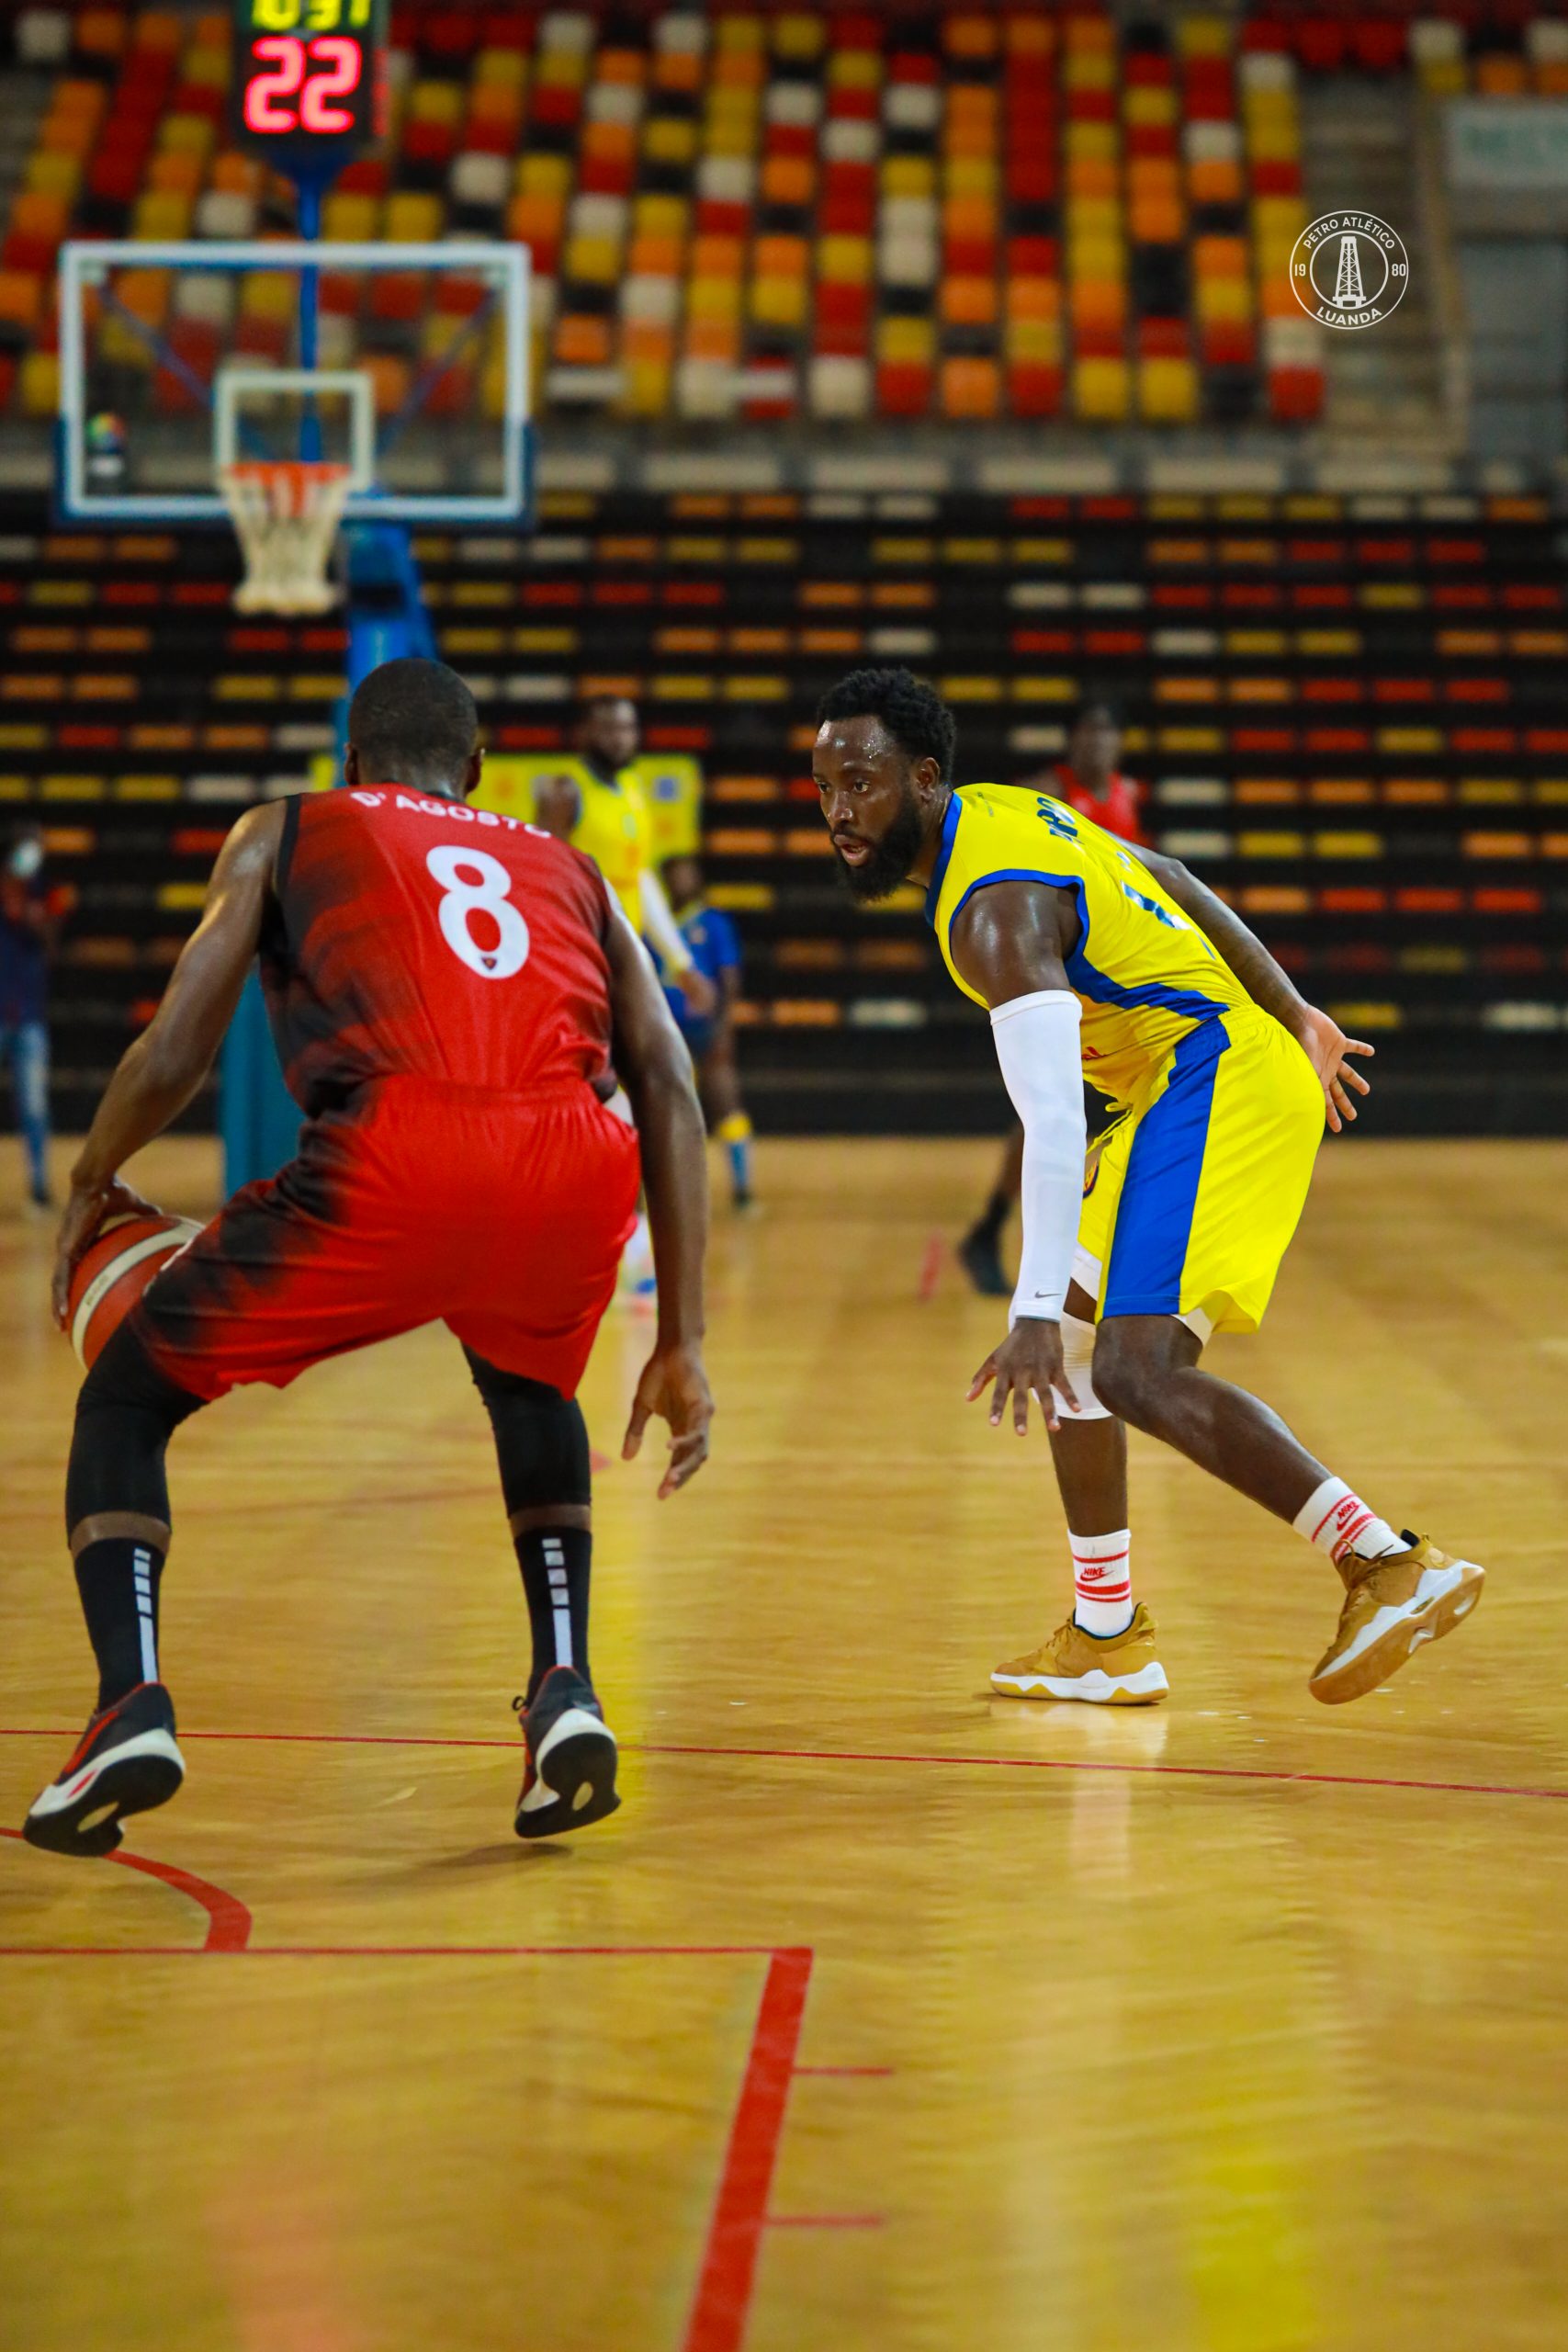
(310, 80)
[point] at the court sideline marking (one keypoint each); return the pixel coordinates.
(870, 1756)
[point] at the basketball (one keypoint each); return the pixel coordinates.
(113, 1272)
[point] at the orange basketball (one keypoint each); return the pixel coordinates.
(113, 1270)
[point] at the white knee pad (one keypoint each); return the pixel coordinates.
(1077, 1360)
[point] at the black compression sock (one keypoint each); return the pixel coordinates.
(988, 1228)
(118, 1580)
(555, 1562)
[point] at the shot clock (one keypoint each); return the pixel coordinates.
(309, 89)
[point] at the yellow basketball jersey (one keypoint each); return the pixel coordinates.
(612, 825)
(672, 787)
(1144, 973)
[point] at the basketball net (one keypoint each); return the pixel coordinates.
(286, 511)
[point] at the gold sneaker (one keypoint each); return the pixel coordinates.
(1110, 1671)
(1395, 1605)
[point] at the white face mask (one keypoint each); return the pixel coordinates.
(25, 859)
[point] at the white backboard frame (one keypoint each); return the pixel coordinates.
(83, 260)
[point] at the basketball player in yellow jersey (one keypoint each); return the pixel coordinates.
(595, 799)
(1087, 953)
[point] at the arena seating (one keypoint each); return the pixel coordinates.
(1353, 714)
(834, 215)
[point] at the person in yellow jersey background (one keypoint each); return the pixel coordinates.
(595, 798)
(672, 788)
(1088, 951)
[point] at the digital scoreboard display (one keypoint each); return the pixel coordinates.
(309, 87)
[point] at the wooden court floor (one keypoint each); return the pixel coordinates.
(885, 2016)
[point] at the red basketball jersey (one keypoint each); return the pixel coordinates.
(417, 937)
(1120, 812)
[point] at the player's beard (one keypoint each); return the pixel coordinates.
(889, 863)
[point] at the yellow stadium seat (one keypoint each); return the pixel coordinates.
(189, 134)
(665, 140)
(54, 173)
(549, 174)
(265, 294)
(854, 69)
(1100, 390)
(713, 298)
(779, 302)
(499, 69)
(40, 383)
(414, 220)
(435, 102)
(162, 216)
(908, 176)
(977, 176)
(596, 260)
(905, 342)
(1149, 109)
(1167, 391)
(798, 34)
(1224, 301)
(1036, 341)
(350, 220)
(845, 261)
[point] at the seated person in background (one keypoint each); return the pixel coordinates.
(1089, 780)
(716, 951)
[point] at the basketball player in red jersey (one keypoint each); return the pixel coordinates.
(444, 986)
(1089, 780)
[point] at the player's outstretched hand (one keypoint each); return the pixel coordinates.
(84, 1211)
(1029, 1357)
(702, 997)
(675, 1386)
(1325, 1046)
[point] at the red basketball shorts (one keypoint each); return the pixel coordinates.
(502, 1216)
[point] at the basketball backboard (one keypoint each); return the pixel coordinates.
(161, 347)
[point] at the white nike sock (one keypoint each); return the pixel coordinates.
(1334, 1518)
(1103, 1583)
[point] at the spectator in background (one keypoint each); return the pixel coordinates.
(29, 919)
(1090, 781)
(714, 950)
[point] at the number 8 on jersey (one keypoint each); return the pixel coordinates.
(461, 900)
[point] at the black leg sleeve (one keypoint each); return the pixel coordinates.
(126, 1414)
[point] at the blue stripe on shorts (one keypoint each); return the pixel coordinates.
(1159, 1191)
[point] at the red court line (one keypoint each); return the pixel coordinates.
(228, 1921)
(864, 1756)
(930, 1268)
(740, 2209)
(730, 2265)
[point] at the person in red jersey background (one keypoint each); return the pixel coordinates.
(446, 986)
(1091, 782)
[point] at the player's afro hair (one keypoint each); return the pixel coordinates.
(913, 713)
(413, 722)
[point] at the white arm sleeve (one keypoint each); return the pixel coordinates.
(659, 926)
(1037, 1045)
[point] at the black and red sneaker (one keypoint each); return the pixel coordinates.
(125, 1761)
(570, 1776)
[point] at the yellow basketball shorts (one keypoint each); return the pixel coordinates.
(1199, 1190)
